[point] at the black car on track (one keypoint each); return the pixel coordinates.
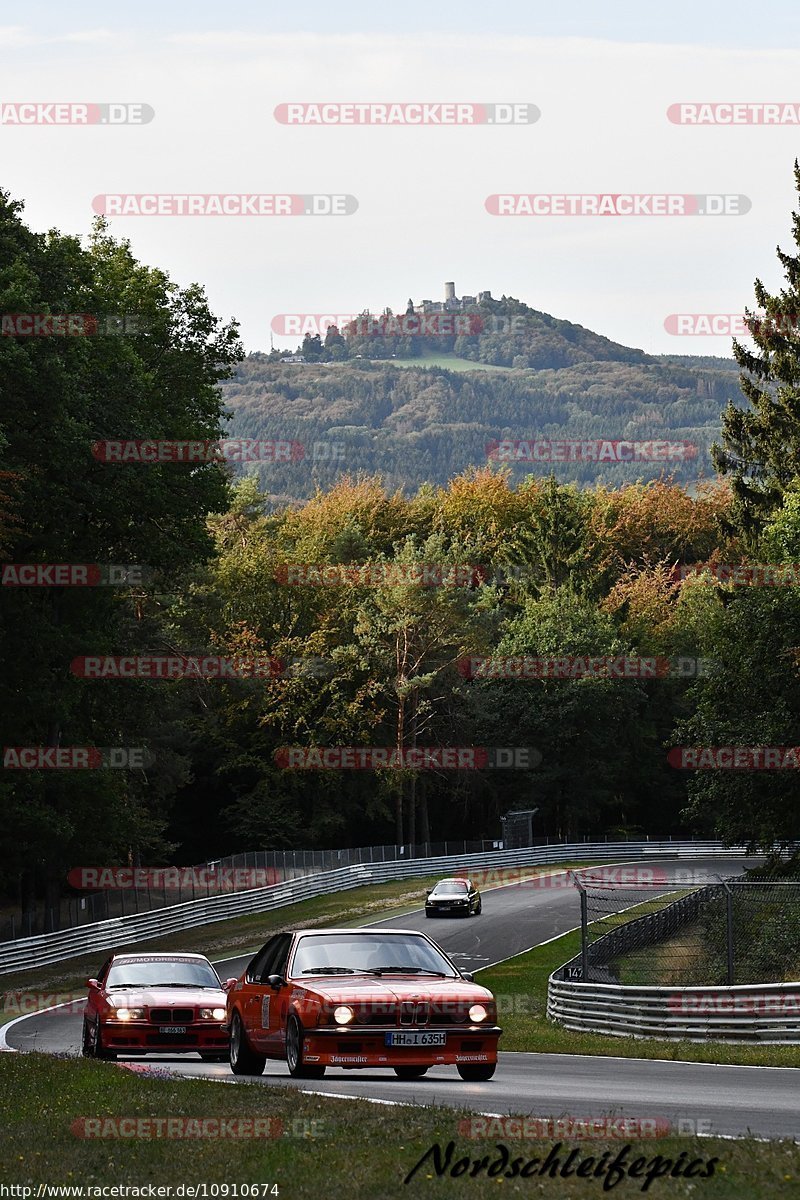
(453, 898)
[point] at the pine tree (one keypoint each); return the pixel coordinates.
(761, 444)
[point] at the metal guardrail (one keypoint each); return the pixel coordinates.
(764, 1013)
(27, 953)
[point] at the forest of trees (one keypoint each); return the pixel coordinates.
(414, 425)
(556, 571)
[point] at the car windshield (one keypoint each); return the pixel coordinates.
(163, 972)
(450, 887)
(342, 953)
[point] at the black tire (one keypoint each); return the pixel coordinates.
(410, 1072)
(243, 1060)
(476, 1072)
(479, 909)
(97, 1050)
(428, 914)
(294, 1053)
(87, 1043)
(214, 1056)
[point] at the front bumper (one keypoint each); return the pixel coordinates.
(141, 1037)
(360, 1047)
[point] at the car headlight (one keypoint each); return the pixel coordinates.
(477, 1013)
(129, 1014)
(212, 1014)
(343, 1014)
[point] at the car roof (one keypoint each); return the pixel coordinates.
(159, 954)
(370, 929)
(454, 879)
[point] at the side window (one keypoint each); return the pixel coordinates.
(101, 974)
(277, 964)
(255, 968)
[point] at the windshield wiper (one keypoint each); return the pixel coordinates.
(328, 971)
(189, 985)
(407, 971)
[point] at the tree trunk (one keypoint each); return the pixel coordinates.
(425, 829)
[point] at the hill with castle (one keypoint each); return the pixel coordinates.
(423, 395)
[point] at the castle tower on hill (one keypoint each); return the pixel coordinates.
(451, 302)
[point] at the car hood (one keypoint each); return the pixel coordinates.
(393, 987)
(166, 997)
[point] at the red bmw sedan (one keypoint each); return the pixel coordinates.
(360, 998)
(156, 1003)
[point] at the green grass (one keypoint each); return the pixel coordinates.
(522, 982)
(359, 1151)
(234, 937)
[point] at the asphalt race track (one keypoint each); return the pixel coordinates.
(719, 1100)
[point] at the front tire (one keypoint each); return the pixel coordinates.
(96, 1049)
(410, 1072)
(476, 1072)
(479, 908)
(294, 1053)
(243, 1060)
(87, 1043)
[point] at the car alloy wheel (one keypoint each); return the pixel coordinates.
(294, 1053)
(243, 1060)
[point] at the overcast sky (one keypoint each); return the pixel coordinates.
(603, 77)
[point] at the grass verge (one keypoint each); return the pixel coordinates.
(359, 1151)
(522, 982)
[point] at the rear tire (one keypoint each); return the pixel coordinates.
(294, 1053)
(476, 1072)
(410, 1072)
(243, 1060)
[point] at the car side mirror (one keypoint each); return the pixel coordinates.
(276, 981)
(92, 983)
(228, 984)
(470, 978)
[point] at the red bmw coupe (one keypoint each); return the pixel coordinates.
(145, 1003)
(360, 998)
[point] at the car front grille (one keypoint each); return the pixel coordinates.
(413, 1014)
(171, 1016)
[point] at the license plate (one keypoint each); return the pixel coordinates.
(416, 1037)
(172, 1029)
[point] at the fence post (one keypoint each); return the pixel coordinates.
(584, 936)
(729, 937)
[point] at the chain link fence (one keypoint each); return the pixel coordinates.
(644, 926)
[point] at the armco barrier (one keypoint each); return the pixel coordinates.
(27, 953)
(764, 1013)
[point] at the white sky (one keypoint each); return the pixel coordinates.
(421, 191)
